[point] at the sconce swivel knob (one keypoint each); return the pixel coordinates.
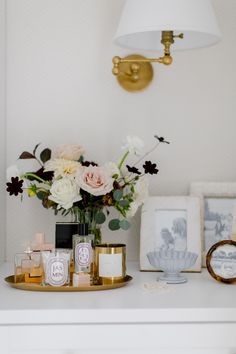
(135, 67)
(116, 62)
(167, 60)
(115, 71)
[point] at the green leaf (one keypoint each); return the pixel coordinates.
(117, 194)
(45, 155)
(115, 176)
(114, 224)
(26, 155)
(124, 203)
(36, 147)
(100, 217)
(124, 224)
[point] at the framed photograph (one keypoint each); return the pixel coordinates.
(218, 209)
(221, 261)
(170, 223)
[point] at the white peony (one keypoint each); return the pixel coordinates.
(68, 152)
(140, 195)
(134, 145)
(62, 167)
(94, 180)
(141, 190)
(12, 171)
(64, 192)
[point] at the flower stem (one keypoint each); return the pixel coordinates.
(39, 179)
(133, 179)
(123, 159)
(147, 153)
(40, 163)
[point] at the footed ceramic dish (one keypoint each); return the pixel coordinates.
(172, 262)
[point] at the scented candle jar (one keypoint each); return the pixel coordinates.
(56, 266)
(110, 263)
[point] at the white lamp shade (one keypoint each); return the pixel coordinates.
(142, 22)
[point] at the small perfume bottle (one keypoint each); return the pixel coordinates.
(83, 252)
(28, 267)
(39, 243)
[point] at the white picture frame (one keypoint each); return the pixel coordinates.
(220, 192)
(158, 217)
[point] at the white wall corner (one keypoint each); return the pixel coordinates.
(2, 128)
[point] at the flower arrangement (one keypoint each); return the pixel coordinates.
(68, 183)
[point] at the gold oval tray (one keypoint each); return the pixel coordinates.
(38, 287)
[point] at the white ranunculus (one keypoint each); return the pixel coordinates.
(68, 152)
(64, 192)
(132, 210)
(141, 190)
(112, 169)
(12, 171)
(140, 195)
(94, 180)
(62, 167)
(134, 144)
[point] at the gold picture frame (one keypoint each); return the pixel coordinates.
(221, 261)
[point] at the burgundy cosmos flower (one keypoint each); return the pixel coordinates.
(161, 139)
(133, 170)
(150, 168)
(15, 186)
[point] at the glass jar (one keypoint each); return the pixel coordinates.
(83, 244)
(56, 266)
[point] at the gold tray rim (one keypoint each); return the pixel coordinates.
(47, 288)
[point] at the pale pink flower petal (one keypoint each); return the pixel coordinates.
(68, 152)
(94, 180)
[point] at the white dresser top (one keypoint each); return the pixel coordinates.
(201, 299)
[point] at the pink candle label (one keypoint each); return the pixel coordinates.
(83, 254)
(57, 271)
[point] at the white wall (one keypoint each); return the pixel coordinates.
(2, 133)
(60, 89)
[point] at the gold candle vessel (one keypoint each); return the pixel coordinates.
(110, 263)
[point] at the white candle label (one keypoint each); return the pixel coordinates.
(83, 254)
(110, 265)
(57, 271)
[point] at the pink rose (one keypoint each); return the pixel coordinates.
(68, 152)
(94, 180)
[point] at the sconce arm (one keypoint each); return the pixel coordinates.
(134, 68)
(165, 59)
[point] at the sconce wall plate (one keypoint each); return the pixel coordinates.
(136, 75)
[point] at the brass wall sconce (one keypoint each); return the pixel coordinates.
(145, 25)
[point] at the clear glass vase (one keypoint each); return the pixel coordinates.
(88, 216)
